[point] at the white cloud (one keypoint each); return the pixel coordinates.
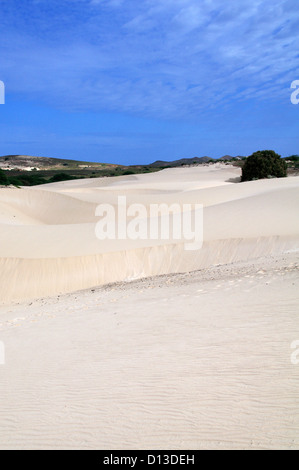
(159, 57)
(110, 3)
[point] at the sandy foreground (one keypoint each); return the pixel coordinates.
(191, 361)
(181, 350)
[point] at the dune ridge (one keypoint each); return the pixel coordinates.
(48, 244)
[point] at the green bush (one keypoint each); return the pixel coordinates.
(264, 164)
(30, 178)
(26, 179)
(3, 178)
(61, 177)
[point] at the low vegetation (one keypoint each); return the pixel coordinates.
(264, 164)
(37, 177)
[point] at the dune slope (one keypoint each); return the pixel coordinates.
(48, 244)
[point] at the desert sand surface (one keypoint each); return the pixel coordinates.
(48, 244)
(187, 361)
(133, 344)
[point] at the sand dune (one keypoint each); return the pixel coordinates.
(48, 244)
(196, 360)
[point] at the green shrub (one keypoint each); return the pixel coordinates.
(26, 179)
(61, 177)
(3, 178)
(264, 164)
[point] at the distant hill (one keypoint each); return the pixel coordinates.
(227, 158)
(26, 170)
(192, 161)
(43, 164)
(27, 163)
(182, 161)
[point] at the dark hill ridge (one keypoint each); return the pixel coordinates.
(27, 170)
(182, 161)
(192, 161)
(27, 162)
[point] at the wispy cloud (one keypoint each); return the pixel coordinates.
(155, 57)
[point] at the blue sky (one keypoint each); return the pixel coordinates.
(133, 81)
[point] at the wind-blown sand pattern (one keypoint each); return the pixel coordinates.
(198, 357)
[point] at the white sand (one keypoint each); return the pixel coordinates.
(183, 361)
(190, 361)
(48, 244)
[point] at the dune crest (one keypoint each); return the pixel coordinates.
(48, 244)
